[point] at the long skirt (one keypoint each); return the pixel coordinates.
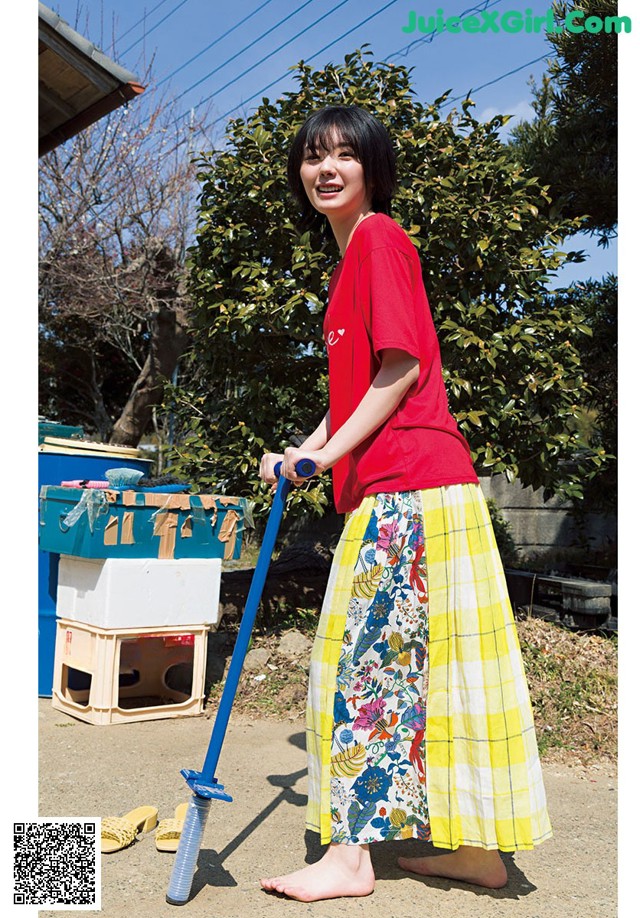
(419, 722)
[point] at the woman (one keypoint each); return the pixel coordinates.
(419, 723)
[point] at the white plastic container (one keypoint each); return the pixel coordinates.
(139, 592)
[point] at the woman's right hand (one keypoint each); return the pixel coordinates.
(267, 465)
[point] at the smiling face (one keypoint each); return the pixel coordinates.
(334, 181)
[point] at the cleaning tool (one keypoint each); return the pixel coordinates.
(204, 784)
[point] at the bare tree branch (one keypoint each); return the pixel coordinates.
(117, 209)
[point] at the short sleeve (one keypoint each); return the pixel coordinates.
(387, 289)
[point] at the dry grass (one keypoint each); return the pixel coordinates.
(279, 690)
(572, 680)
(573, 684)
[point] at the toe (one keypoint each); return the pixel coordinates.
(294, 892)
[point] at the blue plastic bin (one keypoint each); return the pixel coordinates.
(54, 429)
(54, 467)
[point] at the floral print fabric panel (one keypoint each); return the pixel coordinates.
(378, 782)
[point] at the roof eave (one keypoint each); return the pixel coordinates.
(103, 107)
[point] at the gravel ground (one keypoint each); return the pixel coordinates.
(88, 770)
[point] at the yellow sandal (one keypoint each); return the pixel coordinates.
(169, 830)
(119, 832)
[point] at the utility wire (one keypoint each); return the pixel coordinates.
(282, 75)
(247, 47)
(434, 34)
(451, 101)
(250, 45)
(497, 79)
(146, 16)
(153, 28)
(200, 53)
(428, 38)
(407, 48)
(480, 8)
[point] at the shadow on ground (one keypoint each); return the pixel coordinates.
(210, 870)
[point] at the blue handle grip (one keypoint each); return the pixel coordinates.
(304, 467)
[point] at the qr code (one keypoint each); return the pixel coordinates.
(56, 863)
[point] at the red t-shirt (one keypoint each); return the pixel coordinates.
(377, 300)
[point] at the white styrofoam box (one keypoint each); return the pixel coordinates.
(139, 592)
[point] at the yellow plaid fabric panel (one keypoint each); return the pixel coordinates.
(324, 665)
(484, 781)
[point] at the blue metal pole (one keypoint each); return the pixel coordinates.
(246, 627)
(204, 784)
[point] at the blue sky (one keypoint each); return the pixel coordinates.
(283, 32)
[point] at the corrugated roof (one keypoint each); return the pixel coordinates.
(78, 84)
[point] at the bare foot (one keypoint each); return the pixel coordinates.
(469, 864)
(344, 870)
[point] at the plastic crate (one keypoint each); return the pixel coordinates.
(125, 671)
(139, 592)
(135, 524)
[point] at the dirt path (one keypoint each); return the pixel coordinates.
(88, 770)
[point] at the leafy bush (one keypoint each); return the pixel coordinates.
(506, 544)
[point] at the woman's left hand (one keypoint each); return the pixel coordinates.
(292, 455)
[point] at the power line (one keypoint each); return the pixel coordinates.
(480, 8)
(246, 48)
(282, 75)
(497, 79)
(429, 38)
(146, 16)
(153, 28)
(200, 53)
(254, 42)
(456, 99)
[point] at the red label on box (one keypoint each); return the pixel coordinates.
(169, 640)
(186, 640)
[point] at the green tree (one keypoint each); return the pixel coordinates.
(571, 144)
(256, 377)
(597, 300)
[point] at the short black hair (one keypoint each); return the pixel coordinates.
(370, 142)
